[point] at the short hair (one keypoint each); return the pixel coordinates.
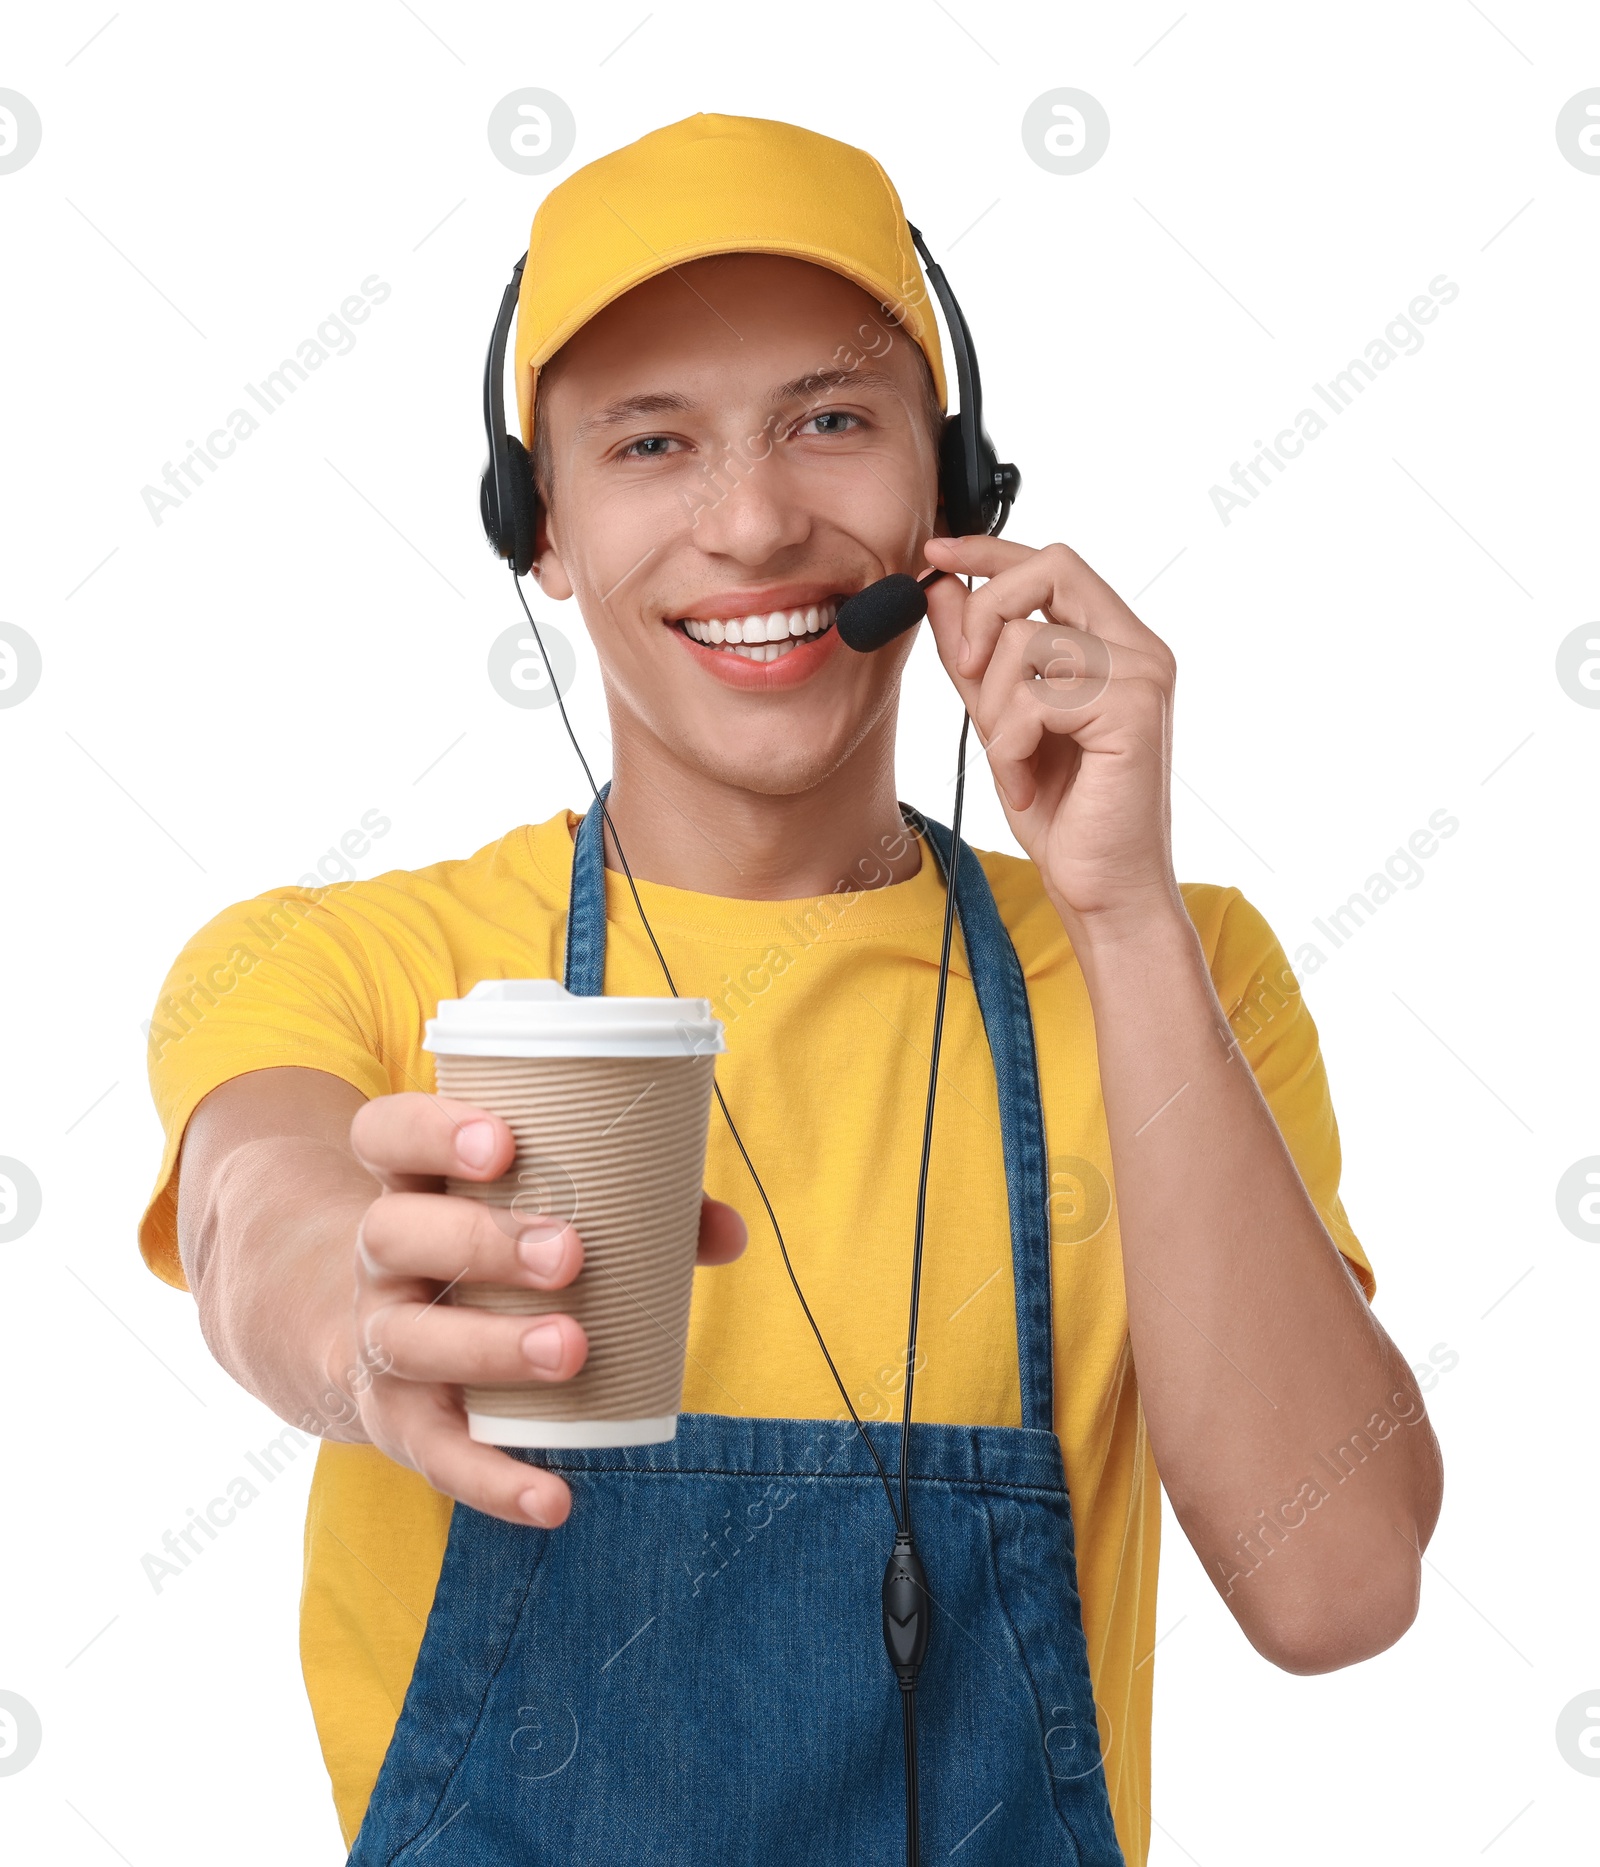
(544, 461)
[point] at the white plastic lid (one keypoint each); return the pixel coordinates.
(541, 1018)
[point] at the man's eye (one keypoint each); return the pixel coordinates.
(648, 447)
(829, 421)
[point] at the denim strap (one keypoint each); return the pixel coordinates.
(585, 972)
(1003, 1001)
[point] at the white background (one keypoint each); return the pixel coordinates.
(1372, 641)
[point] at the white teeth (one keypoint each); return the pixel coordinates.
(764, 651)
(763, 638)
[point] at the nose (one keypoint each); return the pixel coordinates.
(747, 510)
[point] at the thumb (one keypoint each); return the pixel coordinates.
(947, 606)
(723, 1233)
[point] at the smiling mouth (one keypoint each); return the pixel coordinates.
(763, 638)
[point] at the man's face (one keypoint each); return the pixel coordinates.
(742, 441)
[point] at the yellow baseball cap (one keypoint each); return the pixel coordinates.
(713, 184)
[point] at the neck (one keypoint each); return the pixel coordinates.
(687, 829)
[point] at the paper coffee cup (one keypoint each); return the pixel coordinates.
(609, 1100)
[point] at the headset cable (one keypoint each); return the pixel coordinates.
(907, 1606)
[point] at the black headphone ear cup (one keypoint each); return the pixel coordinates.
(524, 514)
(968, 508)
(488, 512)
(966, 511)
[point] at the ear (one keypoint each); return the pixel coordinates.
(549, 571)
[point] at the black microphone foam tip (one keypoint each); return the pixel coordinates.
(873, 617)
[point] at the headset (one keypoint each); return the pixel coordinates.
(976, 488)
(976, 491)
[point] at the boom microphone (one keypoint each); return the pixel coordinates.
(873, 617)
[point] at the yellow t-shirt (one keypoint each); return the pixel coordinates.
(828, 1005)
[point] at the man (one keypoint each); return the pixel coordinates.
(730, 378)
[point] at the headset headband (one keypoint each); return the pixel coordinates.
(991, 485)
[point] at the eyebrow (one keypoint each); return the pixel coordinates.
(816, 380)
(673, 402)
(630, 408)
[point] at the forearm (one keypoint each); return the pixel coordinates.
(1257, 1354)
(267, 1230)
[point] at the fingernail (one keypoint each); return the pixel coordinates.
(475, 1143)
(962, 652)
(533, 1509)
(542, 1250)
(542, 1346)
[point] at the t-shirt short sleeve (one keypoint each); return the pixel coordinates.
(275, 981)
(1267, 1014)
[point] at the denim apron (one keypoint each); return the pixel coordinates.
(692, 1669)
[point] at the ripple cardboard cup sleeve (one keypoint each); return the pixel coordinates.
(609, 1100)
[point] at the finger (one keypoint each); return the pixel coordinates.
(1074, 683)
(947, 603)
(983, 692)
(976, 554)
(452, 1239)
(950, 604)
(1012, 595)
(411, 1140)
(435, 1341)
(1051, 679)
(1018, 727)
(1055, 580)
(426, 1428)
(1064, 669)
(723, 1233)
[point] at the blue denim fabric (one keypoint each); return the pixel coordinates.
(585, 970)
(692, 1669)
(1008, 1024)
